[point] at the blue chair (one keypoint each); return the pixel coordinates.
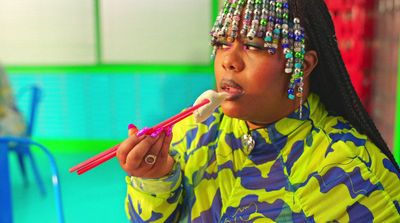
(22, 146)
(5, 189)
(23, 150)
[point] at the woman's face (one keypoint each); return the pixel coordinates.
(255, 80)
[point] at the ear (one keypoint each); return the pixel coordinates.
(310, 61)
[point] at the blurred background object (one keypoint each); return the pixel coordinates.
(368, 33)
(386, 72)
(354, 26)
(103, 64)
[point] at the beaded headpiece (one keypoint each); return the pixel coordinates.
(269, 20)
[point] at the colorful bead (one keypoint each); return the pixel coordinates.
(268, 38)
(263, 22)
(289, 55)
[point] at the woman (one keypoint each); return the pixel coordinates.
(291, 143)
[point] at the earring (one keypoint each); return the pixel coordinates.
(298, 73)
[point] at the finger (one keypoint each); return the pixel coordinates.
(166, 144)
(125, 147)
(136, 155)
(153, 154)
(161, 165)
(132, 129)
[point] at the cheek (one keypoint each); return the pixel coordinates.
(218, 71)
(270, 77)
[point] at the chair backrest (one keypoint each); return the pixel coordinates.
(36, 93)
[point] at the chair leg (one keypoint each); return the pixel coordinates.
(54, 170)
(36, 174)
(22, 168)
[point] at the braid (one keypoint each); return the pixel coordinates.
(330, 79)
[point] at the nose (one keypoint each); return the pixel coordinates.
(233, 60)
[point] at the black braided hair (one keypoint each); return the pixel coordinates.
(330, 79)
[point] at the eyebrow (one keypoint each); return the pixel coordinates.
(223, 40)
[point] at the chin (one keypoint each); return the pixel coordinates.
(233, 110)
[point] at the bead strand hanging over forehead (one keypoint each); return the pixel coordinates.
(269, 20)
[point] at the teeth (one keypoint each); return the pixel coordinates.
(226, 88)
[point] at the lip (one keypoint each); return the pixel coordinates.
(234, 90)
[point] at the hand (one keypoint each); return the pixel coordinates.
(133, 153)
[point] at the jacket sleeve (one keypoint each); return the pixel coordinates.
(154, 200)
(160, 200)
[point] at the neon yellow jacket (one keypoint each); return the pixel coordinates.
(316, 169)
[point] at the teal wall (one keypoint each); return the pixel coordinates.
(100, 105)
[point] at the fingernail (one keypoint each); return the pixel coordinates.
(168, 131)
(142, 132)
(131, 126)
(156, 132)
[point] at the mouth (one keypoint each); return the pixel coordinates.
(234, 90)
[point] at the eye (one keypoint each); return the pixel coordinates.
(252, 47)
(222, 45)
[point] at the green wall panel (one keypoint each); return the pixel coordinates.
(397, 119)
